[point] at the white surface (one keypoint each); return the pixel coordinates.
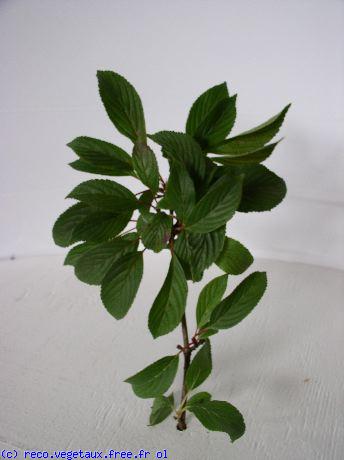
(270, 52)
(64, 359)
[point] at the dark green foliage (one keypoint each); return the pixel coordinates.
(200, 367)
(162, 407)
(105, 195)
(155, 230)
(216, 207)
(199, 397)
(197, 252)
(122, 104)
(169, 305)
(237, 305)
(234, 258)
(100, 157)
(211, 177)
(212, 117)
(184, 150)
(92, 266)
(219, 416)
(120, 285)
(146, 166)
(155, 379)
(209, 297)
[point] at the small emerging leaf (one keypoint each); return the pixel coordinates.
(235, 307)
(169, 305)
(200, 367)
(162, 407)
(209, 297)
(219, 416)
(120, 285)
(234, 258)
(155, 379)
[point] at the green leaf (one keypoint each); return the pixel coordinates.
(122, 104)
(235, 307)
(100, 157)
(81, 222)
(146, 166)
(252, 157)
(262, 190)
(200, 367)
(63, 230)
(155, 230)
(183, 149)
(162, 407)
(164, 203)
(197, 252)
(145, 200)
(76, 252)
(120, 285)
(101, 226)
(254, 138)
(212, 116)
(180, 192)
(199, 397)
(219, 416)
(218, 124)
(207, 333)
(216, 207)
(234, 258)
(209, 297)
(155, 379)
(169, 305)
(106, 195)
(204, 106)
(80, 249)
(92, 266)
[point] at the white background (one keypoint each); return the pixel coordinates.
(269, 52)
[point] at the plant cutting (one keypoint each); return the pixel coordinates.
(211, 177)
